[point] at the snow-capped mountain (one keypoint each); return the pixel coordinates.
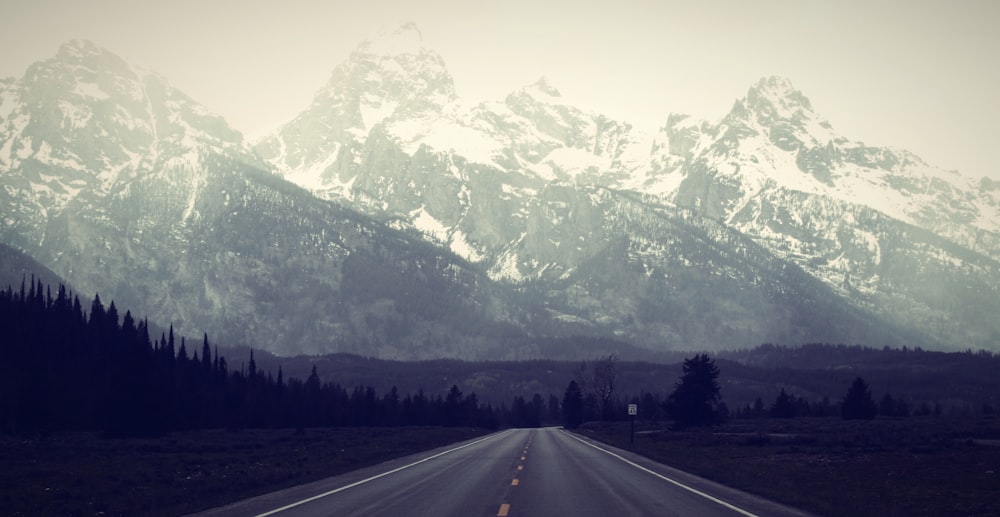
(124, 186)
(86, 123)
(501, 184)
(459, 174)
(429, 226)
(392, 77)
(772, 138)
(902, 238)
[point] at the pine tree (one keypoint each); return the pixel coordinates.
(206, 355)
(696, 398)
(572, 406)
(453, 407)
(169, 350)
(784, 406)
(858, 403)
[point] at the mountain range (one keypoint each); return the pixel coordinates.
(391, 218)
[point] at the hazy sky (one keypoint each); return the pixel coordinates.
(914, 74)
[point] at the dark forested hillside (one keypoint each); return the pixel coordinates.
(956, 381)
(962, 382)
(63, 367)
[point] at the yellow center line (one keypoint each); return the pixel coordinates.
(522, 458)
(520, 467)
(504, 508)
(515, 482)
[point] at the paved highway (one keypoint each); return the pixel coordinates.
(522, 472)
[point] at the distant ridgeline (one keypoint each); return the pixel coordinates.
(62, 368)
(66, 369)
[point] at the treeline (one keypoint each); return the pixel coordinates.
(65, 369)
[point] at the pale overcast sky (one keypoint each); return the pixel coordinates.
(913, 74)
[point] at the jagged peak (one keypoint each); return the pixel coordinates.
(85, 54)
(80, 47)
(395, 66)
(680, 120)
(544, 86)
(81, 51)
(775, 83)
(777, 94)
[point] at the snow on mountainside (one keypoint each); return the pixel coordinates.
(86, 123)
(772, 138)
(766, 225)
(476, 179)
(412, 94)
(906, 240)
(127, 187)
(391, 77)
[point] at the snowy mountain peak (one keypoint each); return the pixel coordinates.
(775, 86)
(775, 101)
(87, 123)
(79, 48)
(392, 69)
(88, 62)
(544, 87)
(779, 93)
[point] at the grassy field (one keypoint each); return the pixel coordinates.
(82, 474)
(908, 467)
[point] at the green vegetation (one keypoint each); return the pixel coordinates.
(920, 466)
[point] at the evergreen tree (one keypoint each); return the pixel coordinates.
(650, 407)
(696, 398)
(552, 413)
(206, 354)
(572, 406)
(858, 403)
(784, 406)
(169, 350)
(96, 311)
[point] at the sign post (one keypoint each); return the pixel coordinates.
(633, 409)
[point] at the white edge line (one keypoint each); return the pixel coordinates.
(363, 481)
(665, 478)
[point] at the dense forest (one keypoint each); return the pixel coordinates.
(64, 368)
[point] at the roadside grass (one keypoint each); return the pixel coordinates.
(81, 474)
(907, 467)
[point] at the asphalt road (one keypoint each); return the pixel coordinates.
(522, 472)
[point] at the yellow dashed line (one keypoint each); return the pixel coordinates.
(522, 458)
(520, 467)
(515, 482)
(504, 508)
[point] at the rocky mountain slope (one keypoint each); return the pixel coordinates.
(428, 227)
(124, 186)
(908, 243)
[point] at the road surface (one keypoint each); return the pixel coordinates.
(520, 472)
